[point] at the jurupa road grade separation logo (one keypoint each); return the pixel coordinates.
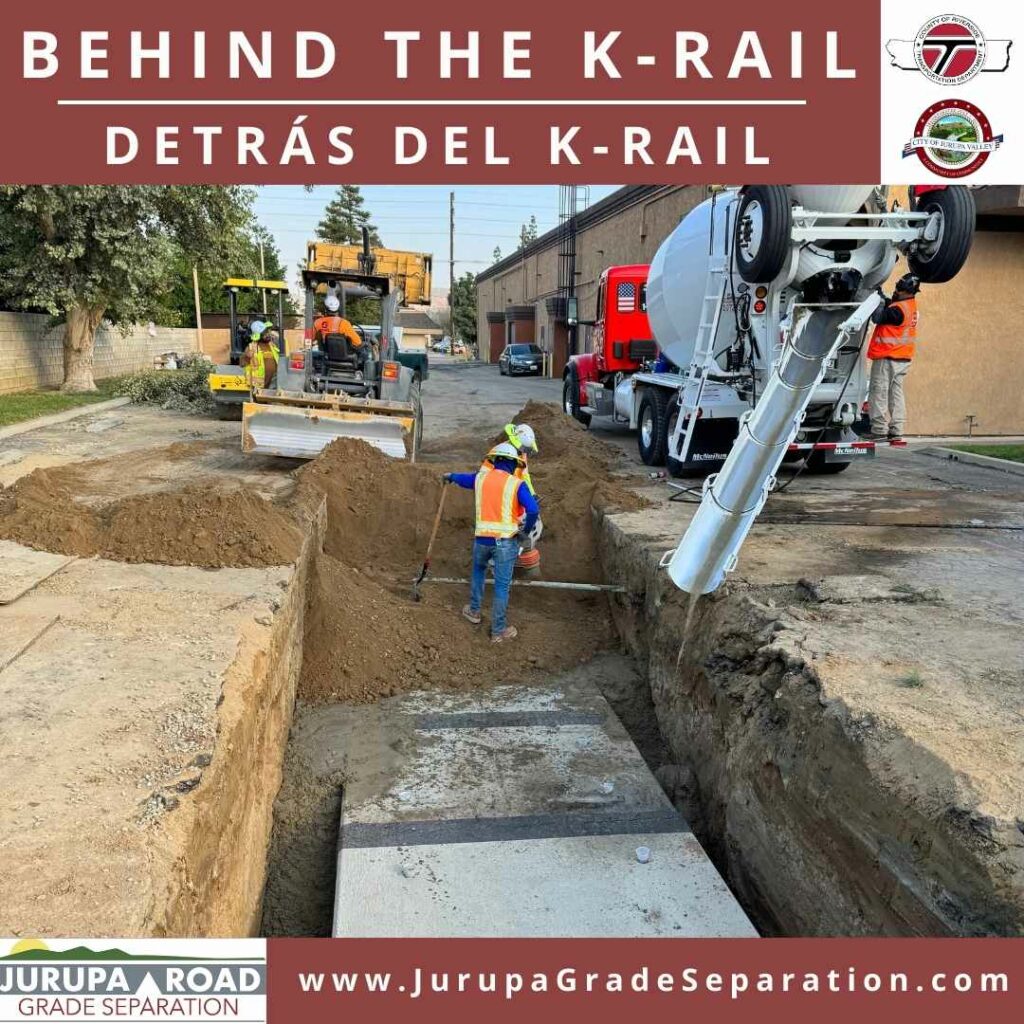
(953, 139)
(90, 982)
(950, 50)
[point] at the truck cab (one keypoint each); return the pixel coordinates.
(620, 342)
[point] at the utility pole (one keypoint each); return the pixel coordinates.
(263, 274)
(451, 260)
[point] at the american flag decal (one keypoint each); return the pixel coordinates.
(625, 297)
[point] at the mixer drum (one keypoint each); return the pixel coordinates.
(678, 275)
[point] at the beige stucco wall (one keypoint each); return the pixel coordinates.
(969, 359)
(31, 354)
(969, 356)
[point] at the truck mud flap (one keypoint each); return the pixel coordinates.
(299, 433)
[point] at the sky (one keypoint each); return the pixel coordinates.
(416, 217)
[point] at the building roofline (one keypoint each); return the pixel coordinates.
(620, 199)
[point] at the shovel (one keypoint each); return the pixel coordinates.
(416, 596)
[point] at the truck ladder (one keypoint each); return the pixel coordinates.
(704, 350)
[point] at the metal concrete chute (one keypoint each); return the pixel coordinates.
(761, 298)
(734, 497)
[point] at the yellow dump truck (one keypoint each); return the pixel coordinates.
(409, 272)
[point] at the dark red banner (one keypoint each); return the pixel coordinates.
(795, 980)
(461, 92)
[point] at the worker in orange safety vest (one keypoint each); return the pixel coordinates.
(890, 350)
(506, 512)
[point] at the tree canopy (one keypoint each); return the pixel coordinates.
(87, 253)
(345, 217)
(463, 304)
(528, 232)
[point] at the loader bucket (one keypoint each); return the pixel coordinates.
(299, 432)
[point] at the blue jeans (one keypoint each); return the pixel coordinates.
(504, 554)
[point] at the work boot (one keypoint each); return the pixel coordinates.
(877, 438)
(471, 616)
(508, 633)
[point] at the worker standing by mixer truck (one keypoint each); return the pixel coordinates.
(891, 349)
(506, 514)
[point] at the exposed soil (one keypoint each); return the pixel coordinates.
(365, 636)
(194, 525)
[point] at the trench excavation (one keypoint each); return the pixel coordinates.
(795, 798)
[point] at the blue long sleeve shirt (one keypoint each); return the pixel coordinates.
(526, 499)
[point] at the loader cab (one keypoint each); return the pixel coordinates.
(621, 336)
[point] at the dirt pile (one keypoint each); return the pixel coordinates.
(366, 638)
(191, 526)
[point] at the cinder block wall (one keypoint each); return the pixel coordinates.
(31, 350)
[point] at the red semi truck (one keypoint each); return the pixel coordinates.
(621, 343)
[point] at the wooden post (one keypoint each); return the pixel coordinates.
(199, 312)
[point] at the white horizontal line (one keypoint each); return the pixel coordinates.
(433, 103)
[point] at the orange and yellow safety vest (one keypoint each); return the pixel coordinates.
(896, 341)
(498, 509)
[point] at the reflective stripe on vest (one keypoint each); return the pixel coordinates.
(896, 341)
(257, 368)
(497, 503)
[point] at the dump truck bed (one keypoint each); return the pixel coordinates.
(408, 271)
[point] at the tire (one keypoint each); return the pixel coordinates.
(571, 398)
(817, 465)
(651, 434)
(763, 226)
(956, 205)
(229, 411)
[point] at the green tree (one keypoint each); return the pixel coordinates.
(345, 217)
(88, 253)
(243, 260)
(463, 303)
(496, 255)
(528, 232)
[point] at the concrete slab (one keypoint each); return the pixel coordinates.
(516, 812)
(22, 569)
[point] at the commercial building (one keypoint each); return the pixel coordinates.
(968, 375)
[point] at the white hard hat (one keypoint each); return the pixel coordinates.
(527, 438)
(257, 327)
(332, 304)
(505, 450)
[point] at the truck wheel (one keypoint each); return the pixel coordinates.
(571, 398)
(763, 226)
(941, 260)
(651, 434)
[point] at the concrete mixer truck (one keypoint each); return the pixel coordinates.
(764, 294)
(721, 300)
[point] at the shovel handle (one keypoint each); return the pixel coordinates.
(437, 524)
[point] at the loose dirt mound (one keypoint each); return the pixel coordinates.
(366, 638)
(191, 526)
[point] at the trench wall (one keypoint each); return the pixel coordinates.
(215, 883)
(784, 788)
